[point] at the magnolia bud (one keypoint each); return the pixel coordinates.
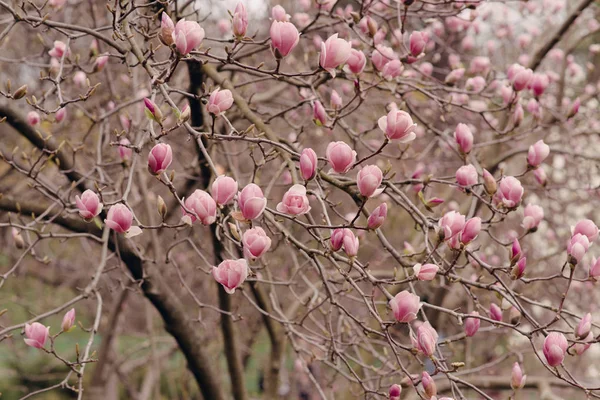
(185, 114)
(489, 183)
(20, 92)
(161, 207)
(19, 242)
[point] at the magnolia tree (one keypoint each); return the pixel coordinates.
(340, 199)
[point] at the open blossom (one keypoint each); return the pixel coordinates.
(36, 335)
(88, 204)
(368, 180)
(537, 153)
(451, 224)
(251, 201)
(425, 272)
(398, 125)
(240, 20)
(231, 274)
(203, 205)
(356, 61)
(377, 217)
(405, 306)
(68, 320)
(224, 189)
(588, 228)
(555, 348)
(510, 192)
(187, 36)
(472, 324)
(577, 247)
(284, 37)
(381, 56)
(294, 201)
(464, 138)
(160, 158)
(466, 175)
(426, 339)
(334, 52)
(392, 70)
(219, 101)
(341, 157)
(256, 242)
(59, 50)
(533, 215)
(119, 218)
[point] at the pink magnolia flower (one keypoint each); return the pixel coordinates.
(59, 50)
(203, 205)
(68, 320)
(580, 348)
(381, 56)
(518, 115)
(256, 242)
(472, 324)
(224, 189)
(533, 215)
(594, 269)
(517, 379)
(577, 247)
(240, 20)
(425, 272)
(88, 205)
(426, 339)
(37, 335)
(521, 79)
(510, 192)
(125, 152)
(395, 391)
(57, 3)
(405, 306)
(340, 156)
(336, 100)
(368, 180)
(537, 153)
(515, 250)
(466, 175)
(231, 274)
(555, 348)
(495, 312)
(464, 138)
(308, 164)
(418, 41)
(33, 118)
(428, 385)
(100, 63)
(152, 110)
(454, 76)
(219, 101)
(167, 27)
(278, 14)
(588, 228)
(294, 201)
(251, 201)
(377, 217)
(119, 218)
(540, 176)
(368, 26)
(518, 269)
(224, 26)
(187, 36)
(398, 125)
(470, 231)
(451, 224)
(393, 69)
(79, 78)
(334, 52)
(284, 37)
(60, 115)
(584, 327)
(319, 114)
(479, 65)
(356, 61)
(538, 84)
(160, 158)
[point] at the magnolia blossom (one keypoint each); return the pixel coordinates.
(219, 101)
(517, 379)
(240, 20)
(417, 42)
(231, 274)
(464, 138)
(405, 306)
(426, 339)
(583, 328)
(425, 272)
(88, 204)
(368, 180)
(334, 52)
(398, 125)
(187, 36)
(319, 114)
(36, 335)
(466, 175)
(68, 320)
(284, 37)
(451, 224)
(256, 242)
(510, 192)
(555, 348)
(294, 201)
(341, 157)
(533, 215)
(472, 324)
(125, 152)
(377, 217)
(577, 247)
(537, 153)
(224, 189)
(394, 391)
(587, 228)
(308, 164)
(59, 50)
(160, 158)
(251, 201)
(356, 61)
(119, 218)
(203, 205)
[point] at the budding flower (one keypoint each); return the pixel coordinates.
(489, 183)
(395, 391)
(518, 269)
(240, 20)
(152, 110)
(537, 153)
(428, 385)
(472, 324)
(19, 242)
(33, 118)
(584, 327)
(517, 380)
(495, 312)
(185, 114)
(464, 138)
(100, 63)
(166, 29)
(555, 348)
(377, 217)
(20, 92)
(68, 320)
(60, 115)
(161, 206)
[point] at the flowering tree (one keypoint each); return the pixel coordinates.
(370, 199)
